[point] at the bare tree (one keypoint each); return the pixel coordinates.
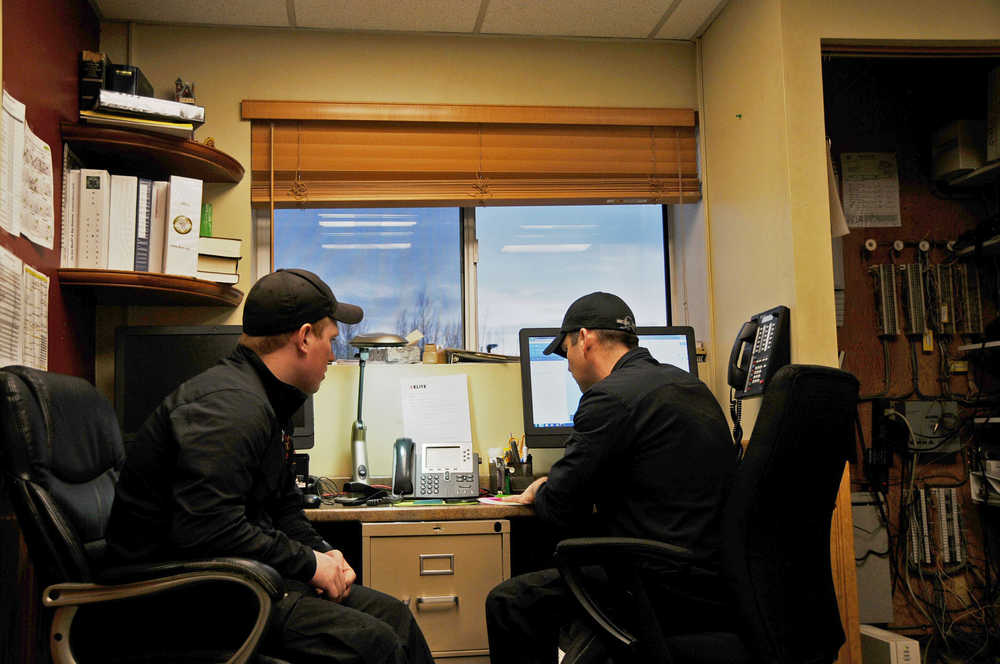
(424, 315)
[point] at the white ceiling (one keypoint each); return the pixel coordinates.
(623, 19)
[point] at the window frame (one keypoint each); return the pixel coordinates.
(469, 264)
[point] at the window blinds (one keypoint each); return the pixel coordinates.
(341, 154)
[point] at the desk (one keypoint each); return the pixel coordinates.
(441, 560)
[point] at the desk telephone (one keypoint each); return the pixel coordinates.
(434, 470)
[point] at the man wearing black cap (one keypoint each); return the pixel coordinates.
(210, 475)
(651, 450)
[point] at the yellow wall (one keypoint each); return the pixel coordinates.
(229, 65)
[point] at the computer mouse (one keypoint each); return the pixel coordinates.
(310, 500)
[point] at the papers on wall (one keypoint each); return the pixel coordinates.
(871, 189)
(24, 313)
(35, 351)
(11, 161)
(11, 294)
(27, 192)
(37, 220)
(436, 409)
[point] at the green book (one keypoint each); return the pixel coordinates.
(206, 220)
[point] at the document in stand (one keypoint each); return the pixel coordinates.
(436, 409)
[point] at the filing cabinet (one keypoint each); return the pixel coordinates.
(443, 570)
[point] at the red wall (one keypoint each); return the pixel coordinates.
(42, 40)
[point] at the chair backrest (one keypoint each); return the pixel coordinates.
(60, 452)
(776, 530)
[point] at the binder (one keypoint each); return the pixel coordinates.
(95, 207)
(121, 239)
(143, 222)
(183, 212)
(158, 224)
(70, 219)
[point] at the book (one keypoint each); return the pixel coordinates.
(143, 223)
(178, 129)
(206, 220)
(180, 250)
(125, 104)
(158, 225)
(70, 218)
(94, 219)
(121, 233)
(219, 277)
(221, 264)
(220, 246)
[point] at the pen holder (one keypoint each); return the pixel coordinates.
(521, 477)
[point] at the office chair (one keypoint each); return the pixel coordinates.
(60, 453)
(775, 546)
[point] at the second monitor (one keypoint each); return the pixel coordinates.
(549, 393)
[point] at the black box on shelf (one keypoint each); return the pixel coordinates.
(95, 68)
(130, 80)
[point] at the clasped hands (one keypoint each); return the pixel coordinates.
(333, 576)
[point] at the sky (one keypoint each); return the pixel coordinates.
(533, 262)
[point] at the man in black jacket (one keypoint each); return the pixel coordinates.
(650, 449)
(210, 475)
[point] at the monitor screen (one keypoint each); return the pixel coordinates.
(151, 361)
(549, 393)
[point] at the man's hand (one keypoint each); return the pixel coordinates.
(527, 496)
(333, 576)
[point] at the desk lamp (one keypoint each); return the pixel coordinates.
(359, 446)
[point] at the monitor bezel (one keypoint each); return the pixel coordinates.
(303, 437)
(549, 437)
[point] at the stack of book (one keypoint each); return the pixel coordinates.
(119, 96)
(218, 259)
(122, 222)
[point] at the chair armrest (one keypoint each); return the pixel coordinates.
(141, 580)
(627, 555)
(251, 570)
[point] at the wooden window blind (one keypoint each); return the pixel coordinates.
(342, 154)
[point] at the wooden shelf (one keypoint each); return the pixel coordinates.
(149, 288)
(149, 155)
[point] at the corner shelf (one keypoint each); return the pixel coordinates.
(149, 155)
(149, 288)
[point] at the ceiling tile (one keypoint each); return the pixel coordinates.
(218, 12)
(575, 18)
(404, 15)
(687, 18)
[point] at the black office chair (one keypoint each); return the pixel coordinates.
(775, 551)
(61, 452)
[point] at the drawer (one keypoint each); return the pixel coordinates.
(443, 570)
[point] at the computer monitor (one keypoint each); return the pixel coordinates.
(151, 361)
(550, 395)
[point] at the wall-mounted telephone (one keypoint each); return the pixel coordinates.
(434, 470)
(761, 348)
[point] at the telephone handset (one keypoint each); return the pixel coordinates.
(402, 467)
(761, 348)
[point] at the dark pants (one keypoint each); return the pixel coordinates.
(368, 627)
(524, 614)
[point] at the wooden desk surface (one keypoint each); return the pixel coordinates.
(417, 513)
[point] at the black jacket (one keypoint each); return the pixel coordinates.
(651, 449)
(209, 475)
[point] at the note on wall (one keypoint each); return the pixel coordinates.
(436, 409)
(871, 189)
(35, 308)
(11, 289)
(38, 220)
(11, 161)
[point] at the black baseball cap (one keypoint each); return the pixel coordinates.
(597, 311)
(285, 300)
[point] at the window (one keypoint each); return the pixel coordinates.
(534, 261)
(404, 266)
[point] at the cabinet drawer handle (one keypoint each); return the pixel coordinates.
(441, 599)
(450, 557)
